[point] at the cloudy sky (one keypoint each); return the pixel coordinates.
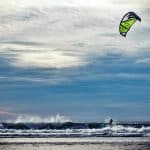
(67, 57)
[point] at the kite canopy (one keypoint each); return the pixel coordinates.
(127, 21)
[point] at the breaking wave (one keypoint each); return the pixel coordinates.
(62, 126)
(71, 129)
(26, 118)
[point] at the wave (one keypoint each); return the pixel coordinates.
(69, 125)
(70, 129)
(62, 126)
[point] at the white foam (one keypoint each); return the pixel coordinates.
(26, 118)
(114, 131)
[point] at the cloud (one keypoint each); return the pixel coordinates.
(135, 3)
(51, 3)
(50, 35)
(143, 61)
(71, 3)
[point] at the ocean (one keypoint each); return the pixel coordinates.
(74, 129)
(74, 136)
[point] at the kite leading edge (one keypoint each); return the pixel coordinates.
(127, 21)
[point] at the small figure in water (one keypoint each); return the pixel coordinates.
(110, 122)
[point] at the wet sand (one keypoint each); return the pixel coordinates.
(75, 143)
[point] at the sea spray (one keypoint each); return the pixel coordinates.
(27, 118)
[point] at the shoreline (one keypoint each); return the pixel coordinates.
(80, 140)
(75, 143)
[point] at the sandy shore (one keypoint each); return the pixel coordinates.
(120, 146)
(75, 143)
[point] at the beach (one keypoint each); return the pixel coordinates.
(92, 143)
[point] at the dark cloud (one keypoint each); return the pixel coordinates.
(108, 34)
(21, 15)
(80, 44)
(25, 43)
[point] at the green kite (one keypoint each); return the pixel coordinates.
(127, 21)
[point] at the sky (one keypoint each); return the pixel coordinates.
(67, 57)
